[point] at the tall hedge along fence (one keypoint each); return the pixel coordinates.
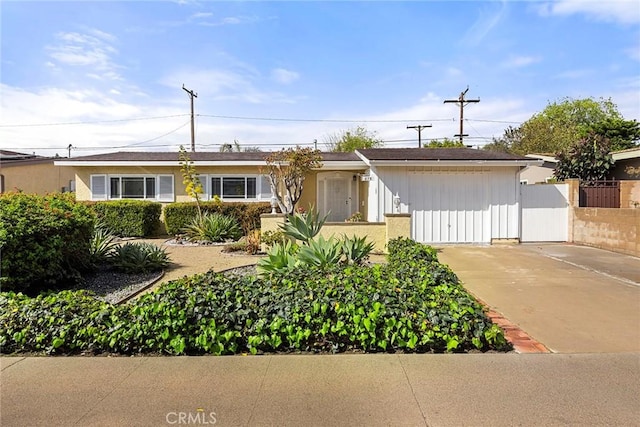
(129, 218)
(44, 241)
(179, 215)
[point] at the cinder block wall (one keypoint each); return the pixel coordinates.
(617, 230)
(629, 194)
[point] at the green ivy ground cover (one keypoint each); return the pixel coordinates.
(411, 304)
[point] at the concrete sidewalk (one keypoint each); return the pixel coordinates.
(566, 297)
(341, 390)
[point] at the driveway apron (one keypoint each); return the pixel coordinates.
(569, 300)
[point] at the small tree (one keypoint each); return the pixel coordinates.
(190, 178)
(589, 160)
(287, 170)
(352, 140)
(445, 143)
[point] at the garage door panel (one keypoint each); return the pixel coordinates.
(449, 207)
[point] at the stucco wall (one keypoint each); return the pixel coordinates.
(397, 225)
(37, 177)
(613, 229)
(536, 174)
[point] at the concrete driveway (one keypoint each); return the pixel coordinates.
(572, 299)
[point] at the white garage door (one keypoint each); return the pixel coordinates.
(449, 207)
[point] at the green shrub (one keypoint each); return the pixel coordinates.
(178, 216)
(44, 241)
(373, 309)
(271, 237)
(139, 257)
(213, 227)
(129, 218)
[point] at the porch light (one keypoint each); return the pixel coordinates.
(396, 202)
(274, 204)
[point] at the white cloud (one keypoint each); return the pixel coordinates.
(284, 76)
(488, 19)
(520, 61)
(227, 85)
(619, 11)
(200, 15)
(83, 50)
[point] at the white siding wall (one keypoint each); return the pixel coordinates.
(502, 195)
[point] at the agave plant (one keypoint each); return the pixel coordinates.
(213, 227)
(321, 253)
(139, 257)
(102, 244)
(303, 226)
(356, 249)
(280, 259)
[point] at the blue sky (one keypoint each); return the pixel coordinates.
(325, 67)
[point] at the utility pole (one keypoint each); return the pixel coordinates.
(192, 95)
(419, 128)
(462, 102)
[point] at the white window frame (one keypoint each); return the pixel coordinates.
(208, 188)
(109, 177)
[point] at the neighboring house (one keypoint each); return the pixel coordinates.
(453, 195)
(33, 174)
(539, 173)
(627, 164)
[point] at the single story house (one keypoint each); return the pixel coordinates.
(627, 164)
(455, 195)
(33, 174)
(539, 173)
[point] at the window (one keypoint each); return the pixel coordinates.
(240, 187)
(158, 187)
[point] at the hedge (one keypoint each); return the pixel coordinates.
(129, 218)
(178, 215)
(44, 241)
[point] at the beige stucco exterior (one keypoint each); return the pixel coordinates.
(35, 176)
(396, 225)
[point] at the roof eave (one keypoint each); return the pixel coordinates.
(505, 163)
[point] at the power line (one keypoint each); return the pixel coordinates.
(419, 129)
(192, 95)
(276, 119)
(462, 102)
(91, 122)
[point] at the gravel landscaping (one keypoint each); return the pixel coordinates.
(113, 286)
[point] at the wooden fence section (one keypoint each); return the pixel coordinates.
(600, 194)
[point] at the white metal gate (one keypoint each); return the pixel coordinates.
(544, 213)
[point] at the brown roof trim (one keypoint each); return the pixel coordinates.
(435, 154)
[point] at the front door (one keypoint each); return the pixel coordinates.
(337, 195)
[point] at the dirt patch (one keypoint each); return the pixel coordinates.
(187, 260)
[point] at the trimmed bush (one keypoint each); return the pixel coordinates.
(178, 216)
(129, 218)
(44, 241)
(372, 309)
